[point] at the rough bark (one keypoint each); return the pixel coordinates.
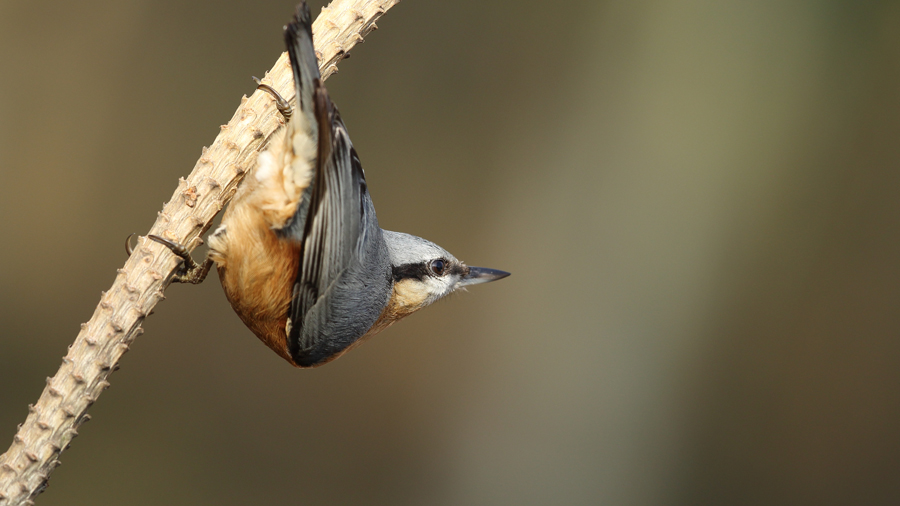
(53, 421)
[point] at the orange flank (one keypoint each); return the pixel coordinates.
(258, 268)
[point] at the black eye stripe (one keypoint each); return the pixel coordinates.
(437, 267)
(409, 271)
(458, 270)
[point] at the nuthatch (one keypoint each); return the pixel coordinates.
(300, 254)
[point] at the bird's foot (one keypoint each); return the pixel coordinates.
(190, 271)
(284, 107)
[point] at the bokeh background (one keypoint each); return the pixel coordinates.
(698, 202)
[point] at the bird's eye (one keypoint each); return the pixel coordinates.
(438, 266)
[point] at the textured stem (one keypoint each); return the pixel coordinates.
(62, 408)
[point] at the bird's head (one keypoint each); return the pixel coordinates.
(424, 272)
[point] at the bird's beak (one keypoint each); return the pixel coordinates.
(481, 275)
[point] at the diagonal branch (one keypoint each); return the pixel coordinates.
(62, 408)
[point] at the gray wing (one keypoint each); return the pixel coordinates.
(343, 282)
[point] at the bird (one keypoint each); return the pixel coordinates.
(299, 252)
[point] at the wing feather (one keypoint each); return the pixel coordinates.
(340, 286)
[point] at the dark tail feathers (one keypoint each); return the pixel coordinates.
(298, 38)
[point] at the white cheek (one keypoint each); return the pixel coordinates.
(440, 287)
(417, 294)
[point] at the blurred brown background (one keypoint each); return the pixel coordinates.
(698, 202)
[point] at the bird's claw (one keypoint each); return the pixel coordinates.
(191, 271)
(284, 107)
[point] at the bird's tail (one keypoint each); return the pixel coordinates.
(298, 38)
(303, 136)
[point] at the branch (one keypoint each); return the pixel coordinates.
(53, 421)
